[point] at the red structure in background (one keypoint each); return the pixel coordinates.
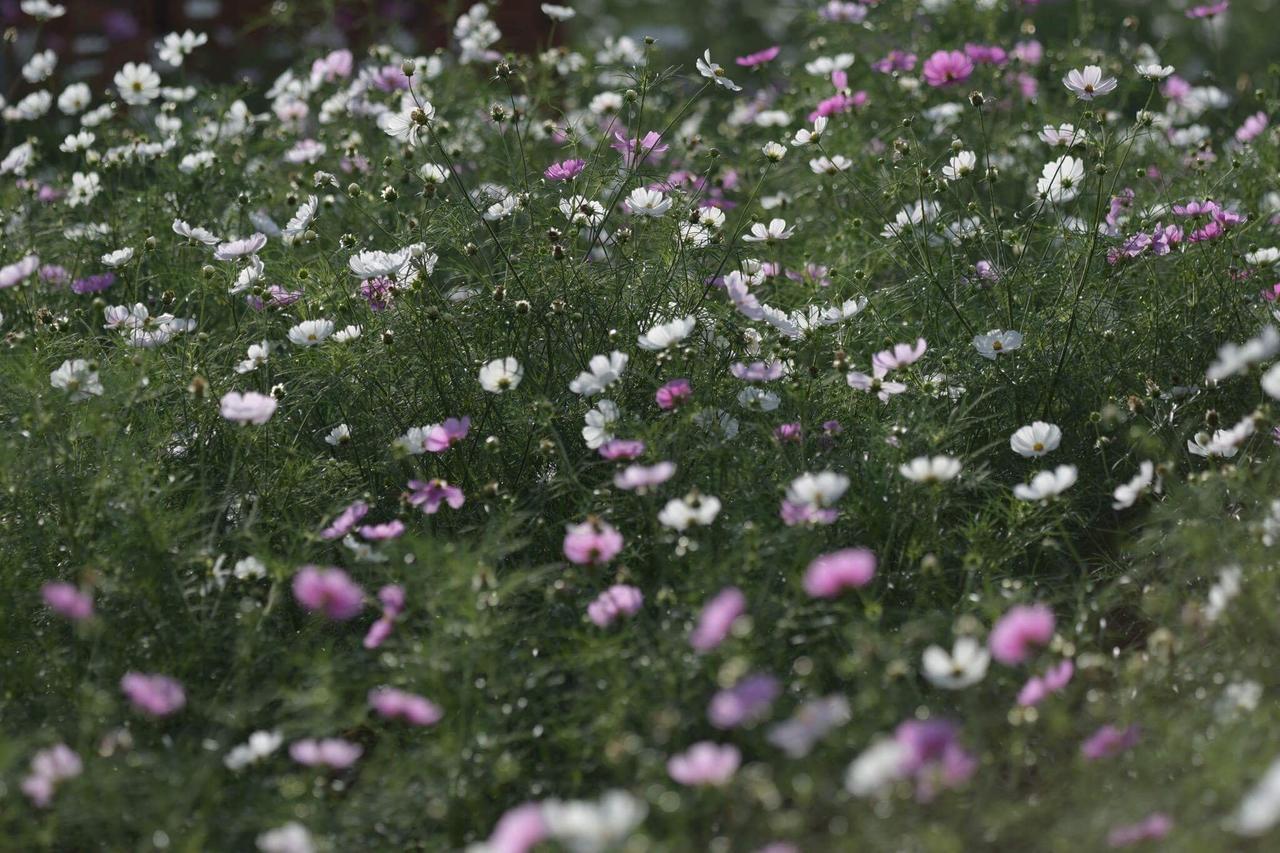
(96, 37)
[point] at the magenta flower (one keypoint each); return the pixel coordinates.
(565, 170)
(639, 478)
(329, 591)
(1209, 10)
(332, 752)
(378, 632)
(1151, 828)
(792, 432)
(674, 393)
(647, 149)
(594, 542)
(428, 496)
(831, 574)
(345, 522)
(896, 60)
(67, 601)
(395, 704)
(154, 695)
(760, 57)
(1019, 630)
(745, 702)
(618, 600)
(248, 408)
(947, 68)
(984, 54)
(519, 830)
(717, 618)
(622, 448)
(705, 763)
(1110, 740)
(1038, 688)
(931, 752)
(382, 532)
(440, 437)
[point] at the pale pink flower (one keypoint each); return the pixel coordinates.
(831, 574)
(1023, 627)
(396, 704)
(247, 408)
(705, 763)
(618, 600)
(594, 542)
(717, 618)
(329, 591)
(155, 695)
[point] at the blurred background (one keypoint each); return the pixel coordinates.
(258, 38)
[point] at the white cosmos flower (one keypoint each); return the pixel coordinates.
(310, 332)
(1153, 71)
(292, 837)
(646, 202)
(75, 98)
(78, 379)
(774, 151)
(1061, 180)
(965, 666)
(347, 334)
(137, 83)
(758, 399)
(585, 826)
(1088, 83)
(233, 249)
(713, 71)
(961, 166)
(804, 136)
(375, 264)
(694, 509)
(557, 13)
(118, 258)
(260, 744)
(819, 490)
(665, 335)
(1127, 494)
(1063, 136)
(997, 343)
(602, 371)
(879, 766)
(599, 423)
(1036, 439)
(258, 355)
(1259, 811)
(1271, 382)
(502, 208)
(338, 436)
(304, 216)
(175, 48)
(199, 235)
(773, 232)
(1237, 358)
(931, 469)
(501, 375)
(1046, 484)
(1263, 257)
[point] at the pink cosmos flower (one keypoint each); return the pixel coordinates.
(1110, 740)
(648, 148)
(947, 68)
(382, 532)
(674, 393)
(797, 514)
(67, 601)
(50, 767)
(428, 496)
(1018, 631)
(984, 54)
(336, 65)
(745, 702)
(154, 695)
(717, 618)
(395, 704)
(1208, 10)
(565, 170)
(345, 522)
(378, 632)
(1151, 828)
(1028, 52)
(330, 591)
(594, 542)
(931, 752)
(792, 432)
(896, 60)
(843, 12)
(760, 57)
(705, 763)
(1038, 688)
(440, 437)
(1252, 127)
(640, 478)
(519, 830)
(332, 752)
(622, 449)
(831, 574)
(248, 408)
(618, 600)
(900, 356)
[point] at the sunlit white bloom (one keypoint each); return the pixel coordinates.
(965, 666)
(1046, 484)
(666, 335)
(775, 231)
(310, 332)
(1263, 257)
(31, 107)
(199, 235)
(376, 264)
(75, 98)
(931, 469)
(137, 83)
(1088, 83)
(582, 211)
(175, 48)
(233, 249)
(258, 355)
(804, 136)
(1237, 358)
(75, 142)
(996, 343)
(694, 509)
(433, 173)
(602, 371)
(84, 188)
(1154, 71)
(78, 378)
(599, 423)
(713, 71)
(961, 166)
(829, 165)
(501, 375)
(1036, 439)
(502, 208)
(822, 66)
(912, 216)
(118, 258)
(879, 766)
(249, 569)
(1127, 494)
(292, 837)
(338, 436)
(40, 66)
(1061, 180)
(585, 826)
(557, 13)
(818, 490)
(1222, 593)
(409, 123)
(774, 151)
(347, 334)
(259, 746)
(303, 218)
(647, 202)
(1063, 136)
(43, 10)
(1259, 811)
